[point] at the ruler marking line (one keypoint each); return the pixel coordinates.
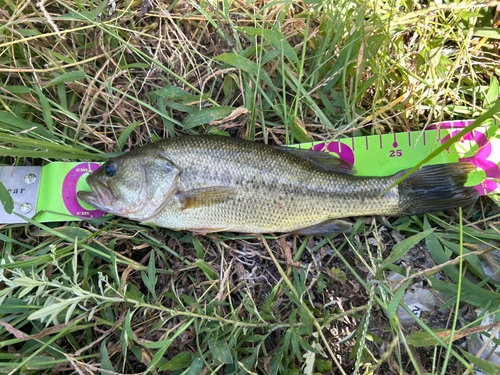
(395, 144)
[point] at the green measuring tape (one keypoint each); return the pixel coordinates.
(48, 193)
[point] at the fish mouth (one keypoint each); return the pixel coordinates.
(101, 196)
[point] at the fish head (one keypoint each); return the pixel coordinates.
(132, 186)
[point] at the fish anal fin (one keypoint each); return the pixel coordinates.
(326, 228)
(322, 160)
(205, 197)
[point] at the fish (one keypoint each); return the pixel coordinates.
(210, 184)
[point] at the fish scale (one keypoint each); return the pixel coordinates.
(285, 198)
(206, 183)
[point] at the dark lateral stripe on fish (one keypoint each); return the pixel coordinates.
(435, 188)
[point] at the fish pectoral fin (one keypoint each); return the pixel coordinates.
(326, 228)
(321, 159)
(205, 197)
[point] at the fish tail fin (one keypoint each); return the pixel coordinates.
(435, 188)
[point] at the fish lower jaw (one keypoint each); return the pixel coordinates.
(89, 198)
(93, 200)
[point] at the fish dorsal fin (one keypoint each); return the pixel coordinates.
(324, 160)
(205, 197)
(326, 228)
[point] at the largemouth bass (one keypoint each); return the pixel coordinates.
(210, 184)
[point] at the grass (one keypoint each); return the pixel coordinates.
(82, 79)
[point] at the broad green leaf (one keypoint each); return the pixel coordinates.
(244, 64)
(472, 259)
(487, 32)
(61, 92)
(46, 111)
(26, 32)
(493, 92)
(179, 106)
(68, 231)
(346, 55)
(239, 62)
(45, 154)
(435, 56)
(307, 98)
(366, 85)
(133, 292)
(125, 134)
(399, 250)
(422, 339)
(146, 281)
(438, 253)
(105, 362)
(199, 249)
(373, 44)
(248, 303)
(196, 366)
(127, 325)
(151, 276)
(84, 16)
(22, 141)
(179, 362)
(67, 77)
(279, 41)
(26, 282)
(220, 350)
(323, 365)
(6, 199)
(163, 346)
(299, 132)
(168, 124)
(18, 89)
(488, 367)
(206, 115)
(205, 267)
(393, 305)
(17, 124)
(34, 363)
(5, 239)
(157, 357)
(305, 318)
(270, 55)
(137, 65)
(470, 293)
(53, 310)
(274, 37)
(172, 92)
(228, 86)
(16, 306)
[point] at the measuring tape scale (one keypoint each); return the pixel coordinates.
(49, 192)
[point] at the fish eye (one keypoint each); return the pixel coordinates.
(110, 169)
